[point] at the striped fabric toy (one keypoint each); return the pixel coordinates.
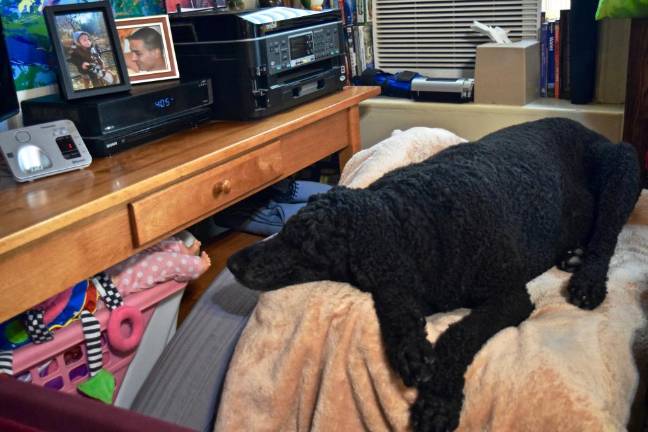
(91, 328)
(6, 362)
(92, 336)
(35, 326)
(101, 385)
(108, 291)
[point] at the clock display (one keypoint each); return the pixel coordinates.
(164, 103)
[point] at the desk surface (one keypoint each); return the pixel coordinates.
(35, 213)
(32, 210)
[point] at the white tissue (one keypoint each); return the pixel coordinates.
(496, 34)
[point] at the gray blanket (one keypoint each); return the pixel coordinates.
(185, 384)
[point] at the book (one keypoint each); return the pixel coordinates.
(359, 51)
(340, 6)
(557, 60)
(350, 12)
(564, 54)
(366, 38)
(551, 70)
(361, 11)
(351, 50)
(543, 58)
(583, 41)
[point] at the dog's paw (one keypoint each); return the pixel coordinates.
(586, 291)
(433, 413)
(414, 361)
(572, 260)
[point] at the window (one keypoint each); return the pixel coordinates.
(433, 37)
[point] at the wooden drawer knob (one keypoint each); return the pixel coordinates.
(223, 187)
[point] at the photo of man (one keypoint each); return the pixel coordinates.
(147, 50)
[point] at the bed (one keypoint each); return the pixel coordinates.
(291, 360)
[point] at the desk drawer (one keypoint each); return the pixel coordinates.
(194, 198)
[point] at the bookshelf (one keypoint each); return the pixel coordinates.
(379, 116)
(358, 34)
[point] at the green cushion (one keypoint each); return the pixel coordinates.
(622, 9)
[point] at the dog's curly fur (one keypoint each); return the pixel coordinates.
(468, 227)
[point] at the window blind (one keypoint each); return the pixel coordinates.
(433, 37)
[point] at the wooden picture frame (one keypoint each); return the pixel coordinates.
(147, 45)
(84, 38)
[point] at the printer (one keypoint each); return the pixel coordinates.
(262, 61)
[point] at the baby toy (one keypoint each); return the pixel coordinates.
(177, 258)
(169, 259)
(101, 384)
(172, 259)
(120, 315)
(6, 362)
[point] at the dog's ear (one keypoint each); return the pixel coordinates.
(320, 229)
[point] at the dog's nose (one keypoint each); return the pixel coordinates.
(238, 262)
(233, 264)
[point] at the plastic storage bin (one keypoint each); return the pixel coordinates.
(61, 364)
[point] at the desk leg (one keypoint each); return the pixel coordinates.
(353, 120)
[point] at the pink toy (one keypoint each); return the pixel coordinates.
(66, 356)
(167, 260)
(55, 305)
(125, 316)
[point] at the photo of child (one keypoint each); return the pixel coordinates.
(90, 55)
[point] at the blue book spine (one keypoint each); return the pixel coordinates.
(543, 59)
(350, 13)
(551, 62)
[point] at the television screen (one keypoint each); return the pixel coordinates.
(8, 100)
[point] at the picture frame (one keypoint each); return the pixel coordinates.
(88, 55)
(147, 46)
(174, 6)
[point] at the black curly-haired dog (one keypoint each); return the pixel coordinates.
(468, 227)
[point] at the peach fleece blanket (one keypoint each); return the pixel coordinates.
(311, 356)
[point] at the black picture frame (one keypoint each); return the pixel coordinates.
(86, 70)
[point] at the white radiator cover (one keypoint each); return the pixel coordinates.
(433, 37)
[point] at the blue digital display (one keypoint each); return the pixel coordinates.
(164, 103)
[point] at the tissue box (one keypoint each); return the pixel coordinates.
(507, 74)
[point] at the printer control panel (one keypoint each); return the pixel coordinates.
(299, 47)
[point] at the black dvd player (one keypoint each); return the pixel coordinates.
(109, 124)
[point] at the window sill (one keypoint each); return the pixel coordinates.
(381, 115)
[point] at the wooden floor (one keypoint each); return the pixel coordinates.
(218, 250)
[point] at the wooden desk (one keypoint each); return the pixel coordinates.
(59, 230)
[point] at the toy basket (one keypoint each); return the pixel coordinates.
(61, 363)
